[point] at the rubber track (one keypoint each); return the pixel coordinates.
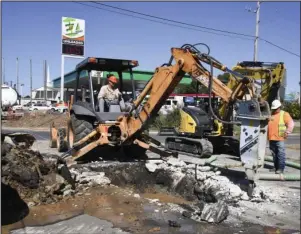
(206, 146)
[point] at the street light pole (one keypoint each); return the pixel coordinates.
(17, 75)
(3, 71)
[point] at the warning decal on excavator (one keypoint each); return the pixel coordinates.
(203, 80)
(249, 146)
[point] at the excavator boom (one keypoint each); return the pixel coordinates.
(166, 78)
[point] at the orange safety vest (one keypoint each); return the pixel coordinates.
(277, 127)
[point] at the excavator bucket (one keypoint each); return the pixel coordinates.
(58, 138)
(53, 136)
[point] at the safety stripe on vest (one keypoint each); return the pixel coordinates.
(281, 125)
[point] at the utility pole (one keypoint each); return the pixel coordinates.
(17, 75)
(257, 11)
(30, 64)
(257, 31)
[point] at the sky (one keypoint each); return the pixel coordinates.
(34, 31)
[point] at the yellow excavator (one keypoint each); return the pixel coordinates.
(196, 122)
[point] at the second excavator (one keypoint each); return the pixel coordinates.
(198, 123)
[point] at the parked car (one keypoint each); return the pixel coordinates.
(61, 109)
(40, 106)
(17, 107)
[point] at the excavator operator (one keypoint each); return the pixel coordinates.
(110, 91)
(109, 94)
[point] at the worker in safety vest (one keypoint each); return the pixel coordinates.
(280, 126)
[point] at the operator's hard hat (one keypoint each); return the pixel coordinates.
(275, 104)
(113, 79)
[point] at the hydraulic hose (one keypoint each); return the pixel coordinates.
(210, 104)
(288, 177)
(287, 163)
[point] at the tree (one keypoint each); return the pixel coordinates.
(293, 108)
(224, 77)
(191, 88)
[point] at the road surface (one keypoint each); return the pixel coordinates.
(44, 135)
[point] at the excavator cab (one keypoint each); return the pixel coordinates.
(85, 111)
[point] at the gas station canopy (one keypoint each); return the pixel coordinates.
(140, 79)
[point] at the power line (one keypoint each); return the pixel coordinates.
(160, 22)
(279, 47)
(209, 28)
(175, 21)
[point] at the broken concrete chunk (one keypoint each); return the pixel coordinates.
(245, 196)
(91, 178)
(176, 162)
(215, 213)
(155, 161)
(68, 192)
(190, 166)
(151, 167)
(204, 169)
(235, 191)
(31, 204)
(9, 141)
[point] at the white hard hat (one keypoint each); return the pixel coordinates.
(275, 104)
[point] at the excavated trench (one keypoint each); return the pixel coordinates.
(136, 175)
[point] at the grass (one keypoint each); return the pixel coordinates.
(296, 129)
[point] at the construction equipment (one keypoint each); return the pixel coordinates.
(89, 128)
(9, 98)
(270, 78)
(270, 81)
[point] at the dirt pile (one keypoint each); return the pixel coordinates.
(42, 179)
(38, 120)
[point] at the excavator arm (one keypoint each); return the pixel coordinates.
(166, 78)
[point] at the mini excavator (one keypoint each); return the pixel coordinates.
(89, 127)
(197, 122)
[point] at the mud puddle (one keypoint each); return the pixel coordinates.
(129, 211)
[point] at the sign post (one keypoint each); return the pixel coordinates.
(73, 43)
